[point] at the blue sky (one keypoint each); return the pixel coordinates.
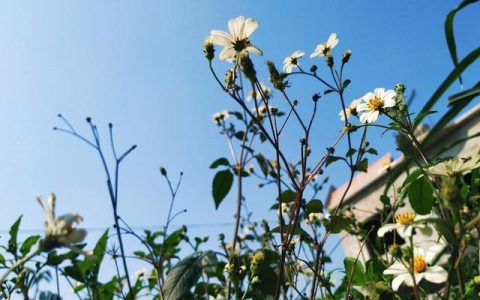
(140, 66)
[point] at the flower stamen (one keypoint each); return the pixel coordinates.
(405, 218)
(375, 103)
(419, 264)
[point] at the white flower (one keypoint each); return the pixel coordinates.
(323, 48)
(404, 225)
(350, 110)
(262, 110)
(291, 62)
(238, 40)
(455, 166)
(267, 93)
(314, 218)
(374, 103)
(220, 116)
(61, 231)
(421, 268)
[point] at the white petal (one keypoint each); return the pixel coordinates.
(228, 53)
(386, 228)
(389, 99)
(332, 40)
(363, 117)
(75, 237)
(405, 232)
(373, 116)
(396, 269)
(221, 38)
(368, 96)
(253, 49)
(397, 281)
(250, 26)
(236, 27)
(362, 107)
(436, 274)
(432, 252)
(379, 92)
(70, 218)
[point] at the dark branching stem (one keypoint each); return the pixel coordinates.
(111, 184)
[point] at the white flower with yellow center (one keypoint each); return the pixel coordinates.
(422, 268)
(404, 225)
(291, 62)
(60, 231)
(324, 48)
(266, 91)
(220, 116)
(350, 110)
(455, 166)
(374, 103)
(238, 40)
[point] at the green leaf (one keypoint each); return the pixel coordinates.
(219, 162)
(287, 196)
(328, 92)
(331, 159)
(337, 223)
(12, 242)
(314, 206)
(240, 135)
(464, 96)
(182, 277)
(28, 243)
(356, 267)
(222, 182)
(454, 74)
(372, 151)
(420, 194)
(363, 165)
(346, 83)
(262, 163)
(351, 152)
(449, 31)
(99, 252)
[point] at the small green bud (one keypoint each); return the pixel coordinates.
(163, 171)
(275, 77)
(329, 58)
(208, 49)
(247, 67)
(400, 88)
(315, 97)
(476, 279)
(313, 68)
(346, 56)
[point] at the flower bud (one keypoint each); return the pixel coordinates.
(247, 67)
(208, 49)
(346, 56)
(329, 58)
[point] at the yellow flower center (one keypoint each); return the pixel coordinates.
(375, 103)
(405, 219)
(419, 264)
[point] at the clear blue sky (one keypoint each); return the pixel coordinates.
(140, 66)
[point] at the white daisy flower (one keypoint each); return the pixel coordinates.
(291, 62)
(374, 103)
(238, 40)
(350, 110)
(422, 268)
(61, 231)
(220, 116)
(323, 48)
(267, 92)
(262, 110)
(404, 225)
(455, 166)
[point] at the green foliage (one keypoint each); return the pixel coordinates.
(222, 182)
(182, 277)
(420, 195)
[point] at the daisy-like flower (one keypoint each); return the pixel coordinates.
(374, 103)
(267, 92)
(422, 268)
(220, 116)
(404, 225)
(60, 231)
(262, 110)
(455, 166)
(324, 48)
(350, 110)
(291, 62)
(238, 40)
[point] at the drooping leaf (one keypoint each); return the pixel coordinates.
(449, 31)
(314, 206)
(337, 223)
(222, 161)
(222, 182)
(420, 194)
(262, 163)
(182, 277)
